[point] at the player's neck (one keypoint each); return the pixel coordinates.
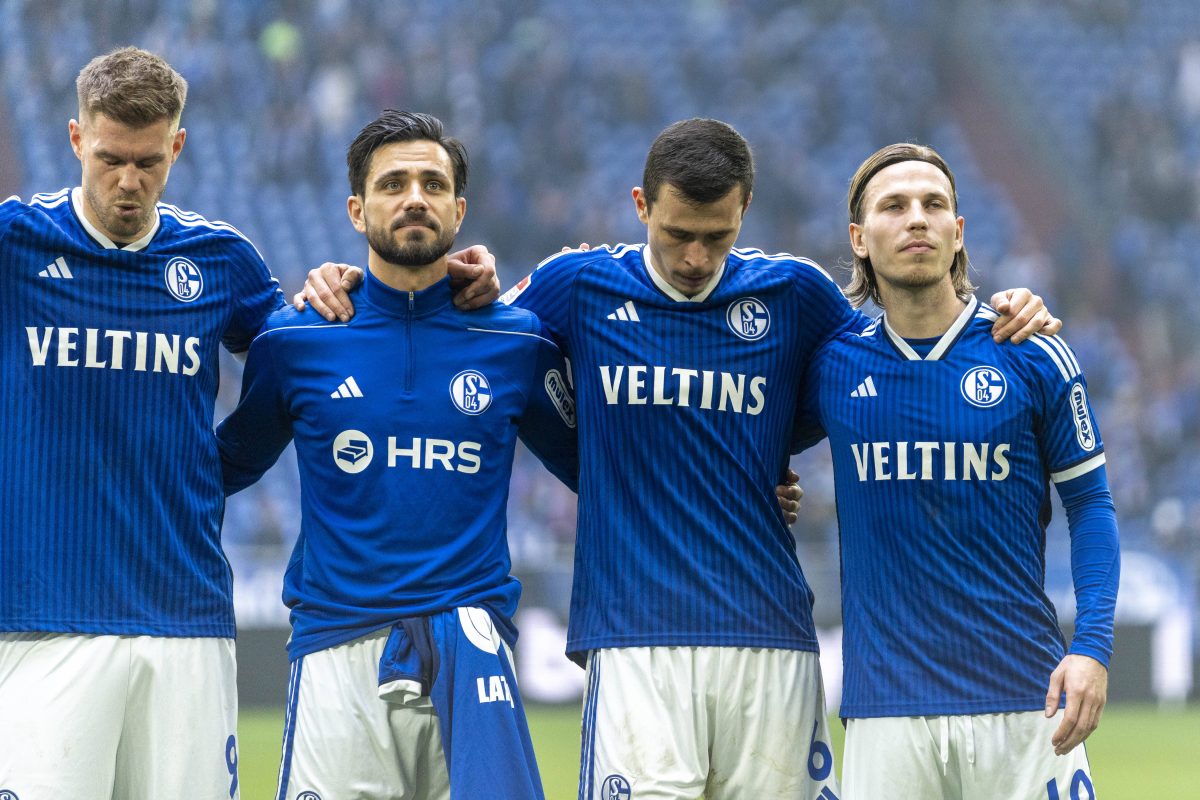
(921, 313)
(406, 279)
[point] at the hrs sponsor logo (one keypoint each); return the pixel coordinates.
(353, 451)
(639, 385)
(931, 461)
(137, 351)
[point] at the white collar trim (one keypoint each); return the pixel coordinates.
(948, 338)
(94, 232)
(673, 293)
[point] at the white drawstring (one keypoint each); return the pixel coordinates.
(944, 743)
(970, 739)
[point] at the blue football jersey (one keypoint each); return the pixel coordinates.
(685, 418)
(405, 421)
(943, 453)
(112, 483)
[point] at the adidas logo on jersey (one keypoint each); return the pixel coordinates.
(57, 269)
(866, 389)
(347, 388)
(626, 313)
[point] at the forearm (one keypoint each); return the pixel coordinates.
(1095, 562)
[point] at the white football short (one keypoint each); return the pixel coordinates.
(968, 757)
(132, 717)
(342, 740)
(728, 723)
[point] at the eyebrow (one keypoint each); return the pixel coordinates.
(401, 173)
(938, 193)
(675, 231)
(106, 154)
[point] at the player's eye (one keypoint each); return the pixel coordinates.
(434, 186)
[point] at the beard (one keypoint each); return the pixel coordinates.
(117, 227)
(412, 252)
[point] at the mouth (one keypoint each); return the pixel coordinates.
(406, 224)
(692, 281)
(919, 246)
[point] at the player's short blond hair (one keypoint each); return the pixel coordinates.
(863, 286)
(132, 86)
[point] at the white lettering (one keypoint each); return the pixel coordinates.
(39, 346)
(439, 451)
(902, 472)
(105, 349)
(860, 459)
(1000, 455)
(706, 389)
(974, 461)
(733, 388)
(965, 461)
(92, 342)
(66, 346)
(166, 352)
(414, 453)
(468, 452)
(139, 353)
(612, 383)
(756, 391)
(192, 348)
(880, 450)
(685, 383)
(927, 450)
(637, 382)
(119, 338)
(660, 388)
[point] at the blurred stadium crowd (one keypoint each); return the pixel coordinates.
(1073, 127)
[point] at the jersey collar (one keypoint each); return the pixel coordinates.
(101, 239)
(396, 303)
(944, 344)
(673, 293)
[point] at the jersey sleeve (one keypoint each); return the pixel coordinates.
(1068, 436)
(827, 311)
(548, 425)
(254, 434)
(547, 293)
(1095, 561)
(807, 427)
(1071, 449)
(258, 296)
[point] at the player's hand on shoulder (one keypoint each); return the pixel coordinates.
(327, 289)
(1022, 314)
(1084, 680)
(473, 276)
(581, 246)
(789, 495)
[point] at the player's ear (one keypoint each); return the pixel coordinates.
(177, 143)
(461, 212)
(958, 235)
(354, 208)
(858, 243)
(75, 130)
(641, 204)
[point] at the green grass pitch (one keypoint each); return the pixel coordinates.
(1139, 752)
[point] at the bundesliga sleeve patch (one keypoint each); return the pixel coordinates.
(515, 292)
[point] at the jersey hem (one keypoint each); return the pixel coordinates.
(577, 650)
(994, 706)
(206, 631)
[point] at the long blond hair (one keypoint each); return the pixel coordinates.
(863, 286)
